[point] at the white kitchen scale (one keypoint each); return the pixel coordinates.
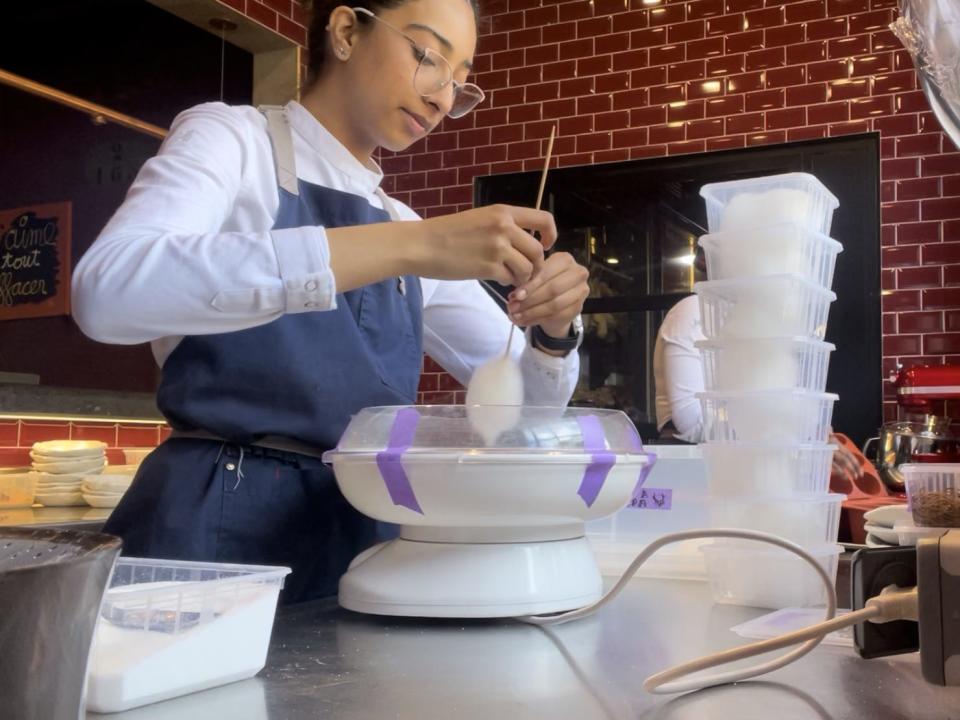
(486, 531)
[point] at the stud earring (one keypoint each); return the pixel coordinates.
(342, 51)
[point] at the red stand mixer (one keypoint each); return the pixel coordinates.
(926, 394)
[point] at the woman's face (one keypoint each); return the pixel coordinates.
(385, 102)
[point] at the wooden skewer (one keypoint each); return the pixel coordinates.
(543, 184)
(546, 166)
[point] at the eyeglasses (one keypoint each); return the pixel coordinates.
(434, 73)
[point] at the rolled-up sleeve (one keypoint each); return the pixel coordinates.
(163, 266)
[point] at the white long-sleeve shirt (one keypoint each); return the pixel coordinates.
(678, 370)
(191, 252)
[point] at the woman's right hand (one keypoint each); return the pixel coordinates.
(486, 243)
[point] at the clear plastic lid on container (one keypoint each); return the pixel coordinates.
(763, 306)
(772, 250)
(776, 363)
(933, 493)
(172, 596)
(774, 416)
(553, 433)
(739, 468)
(755, 202)
(913, 534)
(806, 519)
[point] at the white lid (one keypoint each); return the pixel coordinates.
(756, 394)
(736, 547)
(787, 499)
(441, 428)
(720, 344)
(930, 469)
(747, 282)
(799, 180)
(737, 235)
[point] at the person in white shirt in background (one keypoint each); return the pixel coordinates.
(678, 377)
(678, 373)
(259, 256)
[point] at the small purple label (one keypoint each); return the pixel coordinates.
(651, 499)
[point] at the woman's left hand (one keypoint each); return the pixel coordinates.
(553, 297)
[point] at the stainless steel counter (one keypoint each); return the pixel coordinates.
(329, 663)
(79, 518)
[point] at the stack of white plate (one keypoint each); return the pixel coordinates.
(60, 466)
(105, 489)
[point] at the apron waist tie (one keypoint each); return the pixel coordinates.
(271, 442)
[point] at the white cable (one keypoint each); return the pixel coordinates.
(660, 683)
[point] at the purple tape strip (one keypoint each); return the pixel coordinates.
(388, 461)
(637, 446)
(601, 460)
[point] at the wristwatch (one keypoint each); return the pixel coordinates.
(566, 344)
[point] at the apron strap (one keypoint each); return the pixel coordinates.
(278, 127)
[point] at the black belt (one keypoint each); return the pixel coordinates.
(274, 446)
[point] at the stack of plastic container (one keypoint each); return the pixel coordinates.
(766, 416)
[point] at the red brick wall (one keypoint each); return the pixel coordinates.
(286, 17)
(626, 79)
(17, 436)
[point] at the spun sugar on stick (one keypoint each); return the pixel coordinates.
(495, 397)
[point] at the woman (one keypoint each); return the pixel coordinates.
(256, 253)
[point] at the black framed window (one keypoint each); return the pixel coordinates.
(635, 224)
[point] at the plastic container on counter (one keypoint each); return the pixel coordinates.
(673, 498)
(777, 363)
(168, 628)
(766, 576)
(761, 201)
(767, 416)
(738, 468)
(763, 307)
(910, 534)
(808, 520)
(18, 487)
(772, 250)
(933, 493)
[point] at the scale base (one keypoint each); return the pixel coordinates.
(471, 580)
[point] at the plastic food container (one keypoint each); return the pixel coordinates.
(763, 307)
(933, 493)
(168, 628)
(808, 520)
(913, 534)
(775, 250)
(426, 467)
(762, 201)
(738, 469)
(767, 416)
(17, 488)
(765, 576)
(780, 363)
(673, 498)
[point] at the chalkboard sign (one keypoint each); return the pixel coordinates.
(35, 261)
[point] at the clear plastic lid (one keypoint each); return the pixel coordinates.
(763, 201)
(453, 429)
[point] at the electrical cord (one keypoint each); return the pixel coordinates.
(892, 604)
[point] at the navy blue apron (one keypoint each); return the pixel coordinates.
(301, 377)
